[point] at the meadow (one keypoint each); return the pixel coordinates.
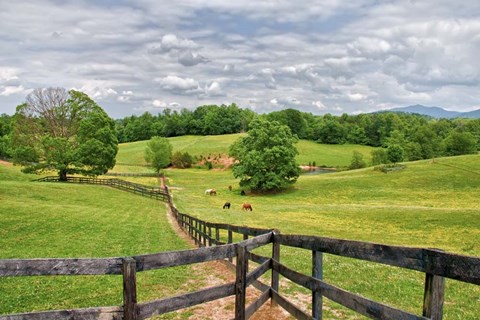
(429, 204)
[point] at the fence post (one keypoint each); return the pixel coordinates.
(240, 282)
(276, 257)
(204, 231)
(129, 289)
(317, 272)
(433, 296)
(217, 235)
(209, 236)
(230, 238)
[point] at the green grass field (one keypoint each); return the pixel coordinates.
(309, 152)
(429, 204)
(59, 220)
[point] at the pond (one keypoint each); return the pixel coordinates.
(317, 170)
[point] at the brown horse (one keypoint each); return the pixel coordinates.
(247, 206)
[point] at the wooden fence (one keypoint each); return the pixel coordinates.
(435, 264)
(136, 188)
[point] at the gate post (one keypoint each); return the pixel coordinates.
(276, 257)
(241, 282)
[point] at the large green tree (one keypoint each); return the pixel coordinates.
(266, 157)
(63, 131)
(158, 153)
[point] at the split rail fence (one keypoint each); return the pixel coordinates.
(435, 264)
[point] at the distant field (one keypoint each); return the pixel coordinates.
(309, 151)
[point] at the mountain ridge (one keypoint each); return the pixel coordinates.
(436, 112)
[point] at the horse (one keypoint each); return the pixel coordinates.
(226, 205)
(211, 192)
(242, 193)
(247, 206)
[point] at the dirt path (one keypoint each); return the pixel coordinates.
(216, 273)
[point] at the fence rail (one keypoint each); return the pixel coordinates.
(437, 265)
(136, 188)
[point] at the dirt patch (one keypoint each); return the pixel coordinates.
(6, 163)
(219, 162)
(217, 273)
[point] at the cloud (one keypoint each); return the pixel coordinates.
(179, 85)
(188, 58)
(214, 89)
(10, 90)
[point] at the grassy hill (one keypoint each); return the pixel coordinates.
(429, 204)
(321, 154)
(432, 204)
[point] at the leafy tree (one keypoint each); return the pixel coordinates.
(395, 153)
(457, 143)
(64, 131)
(182, 160)
(379, 156)
(158, 153)
(357, 161)
(5, 130)
(266, 157)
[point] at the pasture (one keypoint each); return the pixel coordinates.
(429, 204)
(321, 154)
(59, 220)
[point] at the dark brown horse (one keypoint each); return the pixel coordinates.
(226, 205)
(247, 206)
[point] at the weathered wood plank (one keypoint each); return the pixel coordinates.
(153, 308)
(258, 272)
(357, 303)
(257, 258)
(451, 265)
(46, 267)
(183, 257)
(129, 289)
(100, 313)
(433, 297)
(258, 241)
(411, 258)
(289, 307)
(257, 304)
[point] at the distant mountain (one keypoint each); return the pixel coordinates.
(436, 112)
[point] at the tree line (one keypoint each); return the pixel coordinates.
(419, 136)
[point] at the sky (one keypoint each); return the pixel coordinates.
(335, 56)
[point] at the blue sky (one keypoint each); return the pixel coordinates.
(316, 56)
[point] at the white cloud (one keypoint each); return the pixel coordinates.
(319, 105)
(10, 90)
(178, 84)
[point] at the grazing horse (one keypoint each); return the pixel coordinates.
(211, 192)
(247, 206)
(226, 205)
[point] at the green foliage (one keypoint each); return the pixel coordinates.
(63, 131)
(357, 161)
(379, 156)
(266, 157)
(395, 153)
(158, 153)
(458, 143)
(182, 160)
